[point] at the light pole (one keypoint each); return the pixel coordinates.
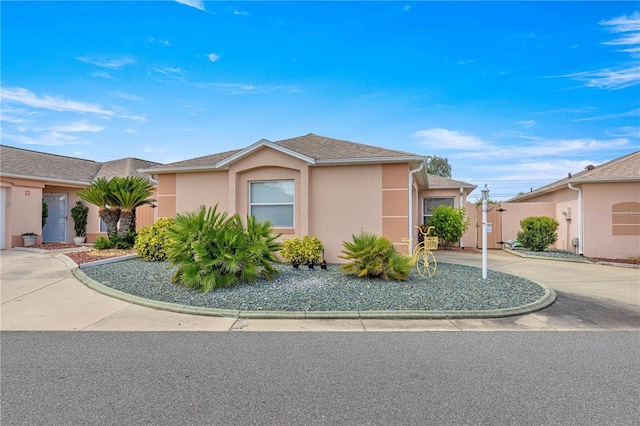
(485, 197)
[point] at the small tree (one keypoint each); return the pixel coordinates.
(538, 232)
(450, 224)
(79, 213)
(438, 166)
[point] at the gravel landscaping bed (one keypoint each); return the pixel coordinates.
(454, 287)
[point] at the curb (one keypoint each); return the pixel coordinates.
(545, 301)
(527, 256)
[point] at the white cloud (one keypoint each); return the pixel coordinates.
(23, 96)
(113, 62)
(128, 96)
(623, 24)
(46, 139)
(632, 113)
(527, 123)
(451, 139)
(103, 74)
(612, 79)
(10, 119)
(235, 11)
(213, 57)
(625, 75)
(168, 70)
(78, 126)
(198, 4)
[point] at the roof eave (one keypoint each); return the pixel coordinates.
(45, 179)
(207, 168)
(364, 160)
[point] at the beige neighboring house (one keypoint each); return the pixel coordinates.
(312, 185)
(29, 177)
(598, 209)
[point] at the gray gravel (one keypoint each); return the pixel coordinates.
(552, 254)
(453, 287)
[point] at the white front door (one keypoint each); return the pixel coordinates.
(56, 228)
(3, 212)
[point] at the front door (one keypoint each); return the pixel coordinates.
(56, 228)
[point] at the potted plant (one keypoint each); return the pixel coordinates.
(79, 214)
(29, 239)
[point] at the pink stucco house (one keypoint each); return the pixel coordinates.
(598, 210)
(29, 177)
(312, 185)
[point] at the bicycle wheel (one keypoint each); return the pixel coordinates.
(426, 264)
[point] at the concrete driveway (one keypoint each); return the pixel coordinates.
(38, 292)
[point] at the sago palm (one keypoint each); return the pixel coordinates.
(100, 194)
(128, 193)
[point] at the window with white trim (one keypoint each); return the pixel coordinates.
(274, 201)
(430, 203)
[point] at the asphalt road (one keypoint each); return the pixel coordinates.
(443, 378)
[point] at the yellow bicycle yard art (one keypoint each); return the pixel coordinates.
(422, 257)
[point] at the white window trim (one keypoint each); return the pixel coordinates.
(292, 203)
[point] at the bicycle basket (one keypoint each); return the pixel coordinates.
(431, 243)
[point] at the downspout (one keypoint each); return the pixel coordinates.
(460, 205)
(410, 191)
(580, 233)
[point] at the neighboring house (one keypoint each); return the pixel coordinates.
(29, 177)
(598, 209)
(312, 185)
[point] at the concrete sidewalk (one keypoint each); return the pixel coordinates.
(39, 292)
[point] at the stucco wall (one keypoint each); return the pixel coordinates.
(23, 211)
(344, 201)
(599, 237)
(195, 189)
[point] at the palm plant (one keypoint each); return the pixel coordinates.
(100, 194)
(371, 256)
(128, 193)
(212, 250)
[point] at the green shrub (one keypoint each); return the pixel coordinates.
(450, 224)
(153, 241)
(303, 250)
(115, 242)
(212, 250)
(538, 232)
(374, 257)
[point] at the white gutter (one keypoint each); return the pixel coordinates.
(410, 191)
(44, 178)
(580, 233)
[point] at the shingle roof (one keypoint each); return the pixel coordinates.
(23, 162)
(324, 148)
(124, 167)
(206, 161)
(40, 165)
(438, 182)
(621, 169)
(317, 148)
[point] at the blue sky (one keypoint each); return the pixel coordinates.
(514, 94)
